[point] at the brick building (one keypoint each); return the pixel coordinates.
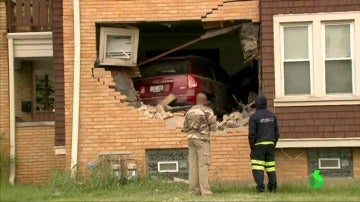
(89, 119)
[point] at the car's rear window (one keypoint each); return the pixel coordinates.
(165, 68)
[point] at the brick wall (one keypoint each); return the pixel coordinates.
(4, 78)
(35, 154)
(232, 10)
(356, 158)
(291, 164)
(117, 127)
(107, 124)
(305, 122)
(230, 156)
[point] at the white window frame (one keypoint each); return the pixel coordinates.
(168, 162)
(351, 23)
(327, 159)
(134, 37)
(317, 23)
(309, 51)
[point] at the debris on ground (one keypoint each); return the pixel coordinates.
(175, 119)
(176, 179)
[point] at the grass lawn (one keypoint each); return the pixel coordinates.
(155, 190)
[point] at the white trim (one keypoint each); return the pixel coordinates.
(32, 44)
(320, 16)
(324, 167)
(168, 162)
(35, 124)
(60, 150)
(316, 101)
(277, 59)
(317, 85)
(30, 35)
(318, 142)
(357, 55)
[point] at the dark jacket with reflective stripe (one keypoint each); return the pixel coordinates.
(263, 124)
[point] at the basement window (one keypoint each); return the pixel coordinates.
(167, 163)
(171, 166)
(333, 162)
(329, 163)
(118, 46)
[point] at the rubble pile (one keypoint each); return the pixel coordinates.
(155, 112)
(235, 119)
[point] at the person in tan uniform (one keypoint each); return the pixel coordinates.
(199, 122)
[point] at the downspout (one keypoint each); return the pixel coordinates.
(12, 111)
(76, 91)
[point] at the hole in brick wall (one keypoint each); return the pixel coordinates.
(229, 51)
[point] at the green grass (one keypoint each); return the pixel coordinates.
(156, 190)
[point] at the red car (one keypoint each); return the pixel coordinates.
(185, 77)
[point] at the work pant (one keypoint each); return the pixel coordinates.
(263, 159)
(199, 164)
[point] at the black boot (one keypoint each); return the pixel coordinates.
(260, 189)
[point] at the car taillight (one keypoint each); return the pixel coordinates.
(142, 89)
(192, 82)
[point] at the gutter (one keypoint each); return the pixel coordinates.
(76, 90)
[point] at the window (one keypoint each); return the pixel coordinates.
(333, 162)
(118, 46)
(167, 163)
(329, 163)
(171, 166)
(296, 59)
(338, 57)
(317, 59)
(43, 95)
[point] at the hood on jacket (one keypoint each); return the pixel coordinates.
(261, 102)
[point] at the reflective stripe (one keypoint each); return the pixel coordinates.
(257, 167)
(264, 143)
(271, 169)
(253, 161)
(270, 163)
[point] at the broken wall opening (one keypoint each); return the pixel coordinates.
(236, 51)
